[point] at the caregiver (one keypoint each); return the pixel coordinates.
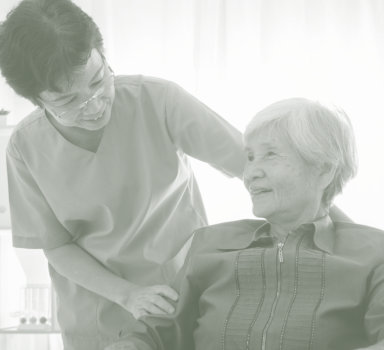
(98, 174)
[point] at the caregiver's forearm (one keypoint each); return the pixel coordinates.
(337, 214)
(74, 263)
(77, 265)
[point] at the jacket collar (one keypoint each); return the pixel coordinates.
(322, 229)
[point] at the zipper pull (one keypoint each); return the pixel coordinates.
(280, 246)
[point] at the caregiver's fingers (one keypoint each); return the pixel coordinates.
(166, 291)
(151, 300)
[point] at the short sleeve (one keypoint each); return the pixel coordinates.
(203, 134)
(33, 222)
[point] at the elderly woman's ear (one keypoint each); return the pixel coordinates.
(326, 175)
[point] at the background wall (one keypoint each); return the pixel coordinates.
(239, 55)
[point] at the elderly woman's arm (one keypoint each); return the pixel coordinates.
(374, 317)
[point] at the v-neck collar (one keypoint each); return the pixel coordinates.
(60, 131)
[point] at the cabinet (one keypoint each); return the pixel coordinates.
(30, 341)
(5, 133)
(27, 302)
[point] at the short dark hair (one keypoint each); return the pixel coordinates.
(43, 41)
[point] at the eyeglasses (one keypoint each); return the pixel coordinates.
(70, 114)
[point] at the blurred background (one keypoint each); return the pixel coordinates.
(237, 56)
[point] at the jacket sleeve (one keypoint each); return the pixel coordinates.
(203, 134)
(172, 331)
(374, 317)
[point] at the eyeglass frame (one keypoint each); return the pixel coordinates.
(82, 106)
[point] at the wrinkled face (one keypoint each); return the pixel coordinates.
(283, 187)
(87, 103)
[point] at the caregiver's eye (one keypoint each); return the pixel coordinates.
(66, 102)
(96, 83)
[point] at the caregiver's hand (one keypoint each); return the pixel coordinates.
(151, 300)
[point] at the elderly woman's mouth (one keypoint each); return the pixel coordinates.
(258, 191)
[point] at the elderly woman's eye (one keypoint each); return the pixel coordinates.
(250, 157)
(270, 154)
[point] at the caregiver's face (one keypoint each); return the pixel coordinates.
(283, 187)
(87, 103)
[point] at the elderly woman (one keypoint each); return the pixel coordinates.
(296, 280)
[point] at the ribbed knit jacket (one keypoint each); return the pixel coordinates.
(321, 289)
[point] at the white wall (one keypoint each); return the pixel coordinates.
(239, 55)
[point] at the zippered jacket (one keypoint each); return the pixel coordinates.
(323, 289)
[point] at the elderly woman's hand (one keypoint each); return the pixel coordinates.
(143, 301)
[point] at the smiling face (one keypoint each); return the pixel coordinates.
(284, 189)
(87, 102)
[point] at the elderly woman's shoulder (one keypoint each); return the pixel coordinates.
(355, 228)
(359, 236)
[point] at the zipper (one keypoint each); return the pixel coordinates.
(280, 259)
(280, 247)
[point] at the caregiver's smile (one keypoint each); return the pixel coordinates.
(94, 86)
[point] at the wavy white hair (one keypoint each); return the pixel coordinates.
(322, 136)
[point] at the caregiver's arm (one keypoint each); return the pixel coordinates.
(77, 265)
(34, 225)
(201, 133)
(175, 331)
(337, 214)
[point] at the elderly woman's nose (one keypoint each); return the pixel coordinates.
(252, 172)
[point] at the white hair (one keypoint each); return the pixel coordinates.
(322, 136)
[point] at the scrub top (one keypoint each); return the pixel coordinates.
(132, 204)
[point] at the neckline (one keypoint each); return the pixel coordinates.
(62, 132)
